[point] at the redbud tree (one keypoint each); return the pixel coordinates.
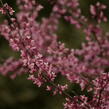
(43, 57)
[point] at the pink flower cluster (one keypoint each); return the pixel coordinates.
(97, 11)
(43, 57)
(99, 100)
(6, 9)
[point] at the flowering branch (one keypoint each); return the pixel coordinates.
(44, 57)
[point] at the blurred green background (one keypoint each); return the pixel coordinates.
(21, 93)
